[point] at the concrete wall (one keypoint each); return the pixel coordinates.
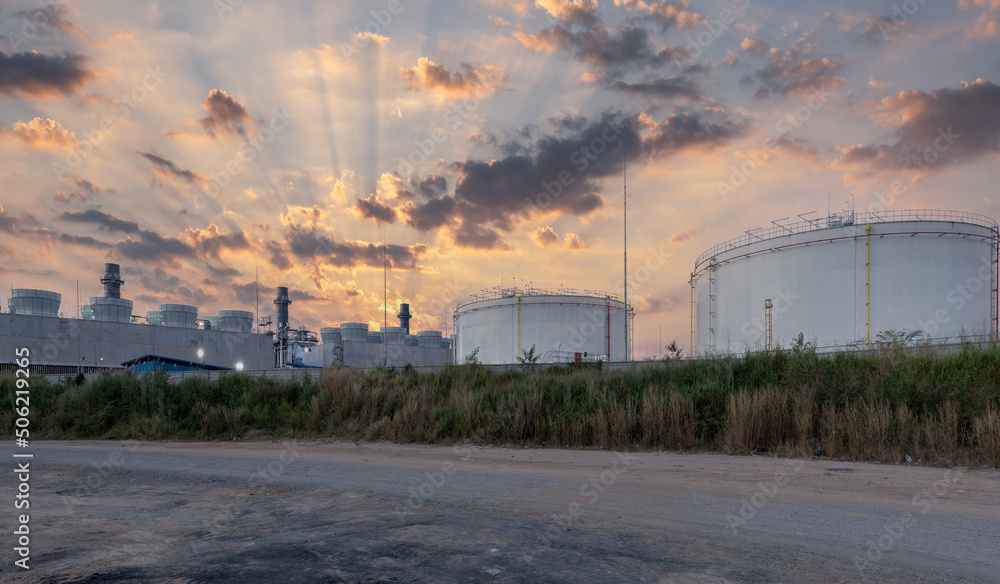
(368, 355)
(72, 342)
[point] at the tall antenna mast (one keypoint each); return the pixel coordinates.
(385, 297)
(625, 231)
(256, 281)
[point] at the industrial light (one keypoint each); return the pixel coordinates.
(239, 366)
(201, 353)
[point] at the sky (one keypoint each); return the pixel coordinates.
(206, 146)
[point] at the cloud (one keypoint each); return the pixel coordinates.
(547, 237)
(731, 58)
(8, 223)
(36, 75)
(987, 27)
(561, 172)
(88, 186)
(39, 133)
(148, 246)
(226, 114)
(669, 87)
(480, 237)
(165, 168)
(688, 130)
(210, 242)
(312, 244)
(576, 11)
(468, 81)
(628, 47)
(932, 130)
(278, 256)
(755, 46)
(104, 220)
(665, 12)
(431, 214)
(362, 39)
(373, 208)
(795, 72)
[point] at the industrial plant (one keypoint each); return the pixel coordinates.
(838, 283)
(843, 280)
(108, 336)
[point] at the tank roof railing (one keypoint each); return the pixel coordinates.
(843, 220)
(498, 292)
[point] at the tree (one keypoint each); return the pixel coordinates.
(473, 358)
(673, 351)
(528, 357)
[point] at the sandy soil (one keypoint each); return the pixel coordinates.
(336, 511)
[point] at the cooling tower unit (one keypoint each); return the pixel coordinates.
(375, 337)
(330, 335)
(238, 321)
(563, 325)
(111, 309)
(153, 317)
(847, 280)
(394, 335)
(180, 315)
(354, 331)
(34, 302)
(429, 339)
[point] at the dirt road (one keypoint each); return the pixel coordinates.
(335, 511)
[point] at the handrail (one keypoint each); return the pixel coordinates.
(843, 220)
(498, 292)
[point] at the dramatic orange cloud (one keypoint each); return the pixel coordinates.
(39, 133)
(466, 82)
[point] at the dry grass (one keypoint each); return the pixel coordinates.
(941, 410)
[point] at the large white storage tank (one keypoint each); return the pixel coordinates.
(844, 279)
(504, 322)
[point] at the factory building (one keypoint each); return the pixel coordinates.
(107, 335)
(353, 345)
(562, 325)
(843, 280)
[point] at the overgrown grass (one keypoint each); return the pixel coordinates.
(942, 410)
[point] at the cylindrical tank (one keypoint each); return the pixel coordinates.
(375, 337)
(394, 335)
(111, 309)
(329, 335)
(180, 315)
(848, 280)
(505, 322)
(153, 317)
(429, 339)
(354, 331)
(34, 302)
(239, 321)
(411, 341)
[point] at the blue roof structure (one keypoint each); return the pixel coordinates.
(150, 363)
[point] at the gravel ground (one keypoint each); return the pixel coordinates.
(336, 511)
